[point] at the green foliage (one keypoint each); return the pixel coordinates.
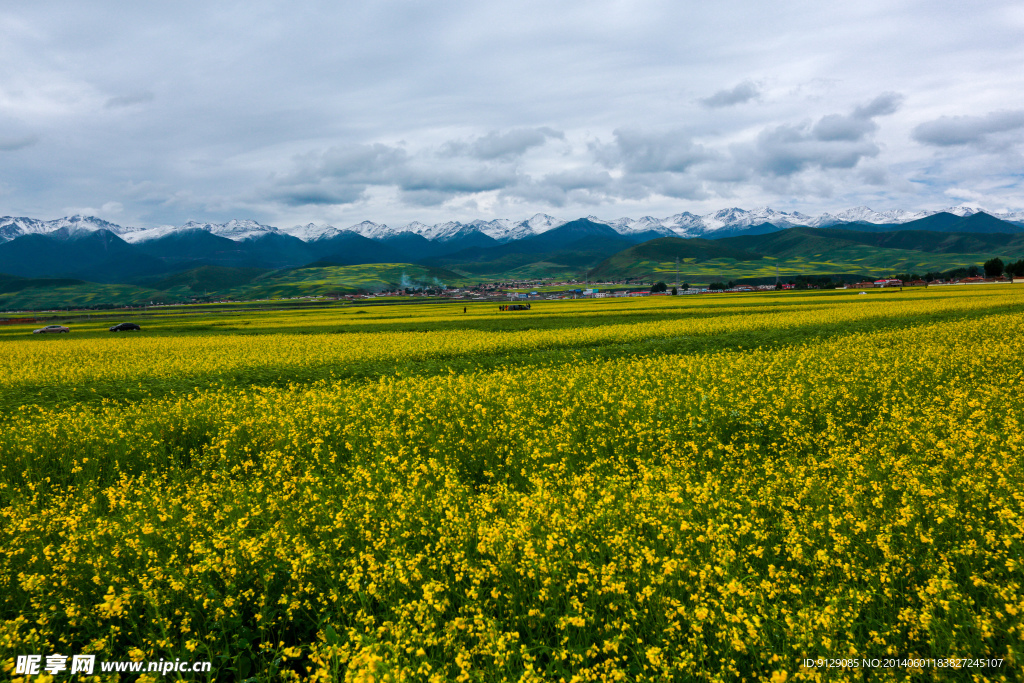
(994, 267)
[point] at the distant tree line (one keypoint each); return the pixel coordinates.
(991, 268)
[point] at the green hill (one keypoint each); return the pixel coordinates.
(208, 278)
(83, 295)
(644, 259)
(224, 283)
(13, 283)
(805, 241)
(333, 280)
(808, 251)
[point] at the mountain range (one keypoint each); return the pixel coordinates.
(543, 247)
(82, 267)
(723, 223)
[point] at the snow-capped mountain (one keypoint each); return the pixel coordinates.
(683, 224)
(11, 227)
(136, 236)
(311, 232)
(867, 215)
(233, 229)
(740, 218)
(501, 229)
(631, 226)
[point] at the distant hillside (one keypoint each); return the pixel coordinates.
(11, 283)
(820, 241)
(97, 256)
(82, 295)
(194, 247)
(350, 249)
(207, 279)
(807, 251)
(566, 251)
(979, 222)
(638, 260)
(734, 231)
(347, 280)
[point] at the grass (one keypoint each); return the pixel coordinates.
(856, 259)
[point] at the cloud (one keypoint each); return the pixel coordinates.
(503, 145)
(835, 141)
(579, 179)
(128, 100)
(530, 87)
(342, 174)
(328, 194)
(883, 105)
(949, 131)
(840, 127)
(743, 92)
(858, 124)
(644, 152)
(583, 185)
(785, 150)
(338, 175)
(454, 180)
(14, 144)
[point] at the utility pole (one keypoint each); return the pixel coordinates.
(677, 273)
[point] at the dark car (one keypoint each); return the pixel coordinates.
(124, 327)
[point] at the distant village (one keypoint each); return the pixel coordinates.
(566, 290)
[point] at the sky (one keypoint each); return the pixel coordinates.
(337, 112)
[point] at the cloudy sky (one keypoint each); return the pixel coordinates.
(392, 111)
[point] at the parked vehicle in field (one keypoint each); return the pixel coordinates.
(125, 327)
(51, 328)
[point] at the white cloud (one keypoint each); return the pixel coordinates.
(295, 112)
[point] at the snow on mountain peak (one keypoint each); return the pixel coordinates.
(234, 229)
(541, 222)
(312, 232)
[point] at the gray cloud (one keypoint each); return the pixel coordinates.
(13, 144)
(458, 180)
(840, 127)
(128, 100)
(948, 131)
(503, 145)
(339, 175)
(675, 185)
(743, 92)
(835, 141)
(579, 179)
(354, 163)
(785, 150)
(643, 152)
(858, 124)
(324, 193)
(342, 174)
(883, 105)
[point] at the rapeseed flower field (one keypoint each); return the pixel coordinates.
(673, 489)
